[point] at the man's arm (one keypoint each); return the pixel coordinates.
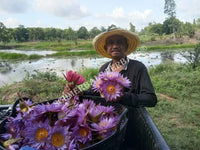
(145, 94)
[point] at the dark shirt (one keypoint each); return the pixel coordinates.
(141, 92)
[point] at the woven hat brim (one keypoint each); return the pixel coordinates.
(100, 41)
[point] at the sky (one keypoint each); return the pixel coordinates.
(92, 13)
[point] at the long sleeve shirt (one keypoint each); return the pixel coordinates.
(141, 92)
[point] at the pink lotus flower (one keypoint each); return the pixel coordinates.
(74, 77)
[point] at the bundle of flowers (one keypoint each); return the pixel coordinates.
(65, 124)
(110, 85)
(60, 125)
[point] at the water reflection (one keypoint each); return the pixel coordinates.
(73, 62)
(5, 67)
(17, 70)
(165, 56)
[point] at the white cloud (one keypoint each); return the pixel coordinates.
(188, 9)
(14, 6)
(141, 17)
(39, 23)
(122, 19)
(62, 8)
(118, 13)
(11, 23)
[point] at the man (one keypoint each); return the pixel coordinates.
(117, 44)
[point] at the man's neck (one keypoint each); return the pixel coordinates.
(118, 65)
(118, 60)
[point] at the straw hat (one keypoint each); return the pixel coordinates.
(100, 41)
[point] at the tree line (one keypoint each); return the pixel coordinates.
(22, 34)
(174, 26)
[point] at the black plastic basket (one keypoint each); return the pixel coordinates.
(144, 133)
(5, 110)
(113, 142)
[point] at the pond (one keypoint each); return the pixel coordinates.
(14, 71)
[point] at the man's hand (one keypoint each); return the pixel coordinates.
(68, 88)
(71, 89)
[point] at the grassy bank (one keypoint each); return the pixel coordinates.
(177, 113)
(15, 56)
(84, 48)
(50, 45)
(170, 47)
(82, 45)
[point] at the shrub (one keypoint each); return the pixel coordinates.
(194, 56)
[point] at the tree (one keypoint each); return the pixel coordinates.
(171, 25)
(170, 10)
(103, 29)
(198, 23)
(94, 31)
(193, 57)
(21, 34)
(50, 34)
(132, 27)
(112, 26)
(83, 33)
(156, 28)
(189, 29)
(2, 28)
(5, 34)
(194, 23)
(35, 34)
(70, 34)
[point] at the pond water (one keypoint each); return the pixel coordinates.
(14, 71)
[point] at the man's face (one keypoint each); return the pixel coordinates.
(116, 46)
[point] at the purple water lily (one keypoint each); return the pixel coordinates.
(110, 85)
(36, 134)
(106, 126)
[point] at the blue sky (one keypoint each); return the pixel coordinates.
(91, 13)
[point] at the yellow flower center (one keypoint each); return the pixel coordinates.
(57, 139)
(110, 75)
(41, 134)
(111, 89)
(98, 83)
(103, 125)
(83, 132)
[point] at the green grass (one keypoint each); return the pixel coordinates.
(171, 47)
(89, 73)
(63, 49)
(82, 45)
(51, 45)
(4, 55)
(178, 114)
(14, 56)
